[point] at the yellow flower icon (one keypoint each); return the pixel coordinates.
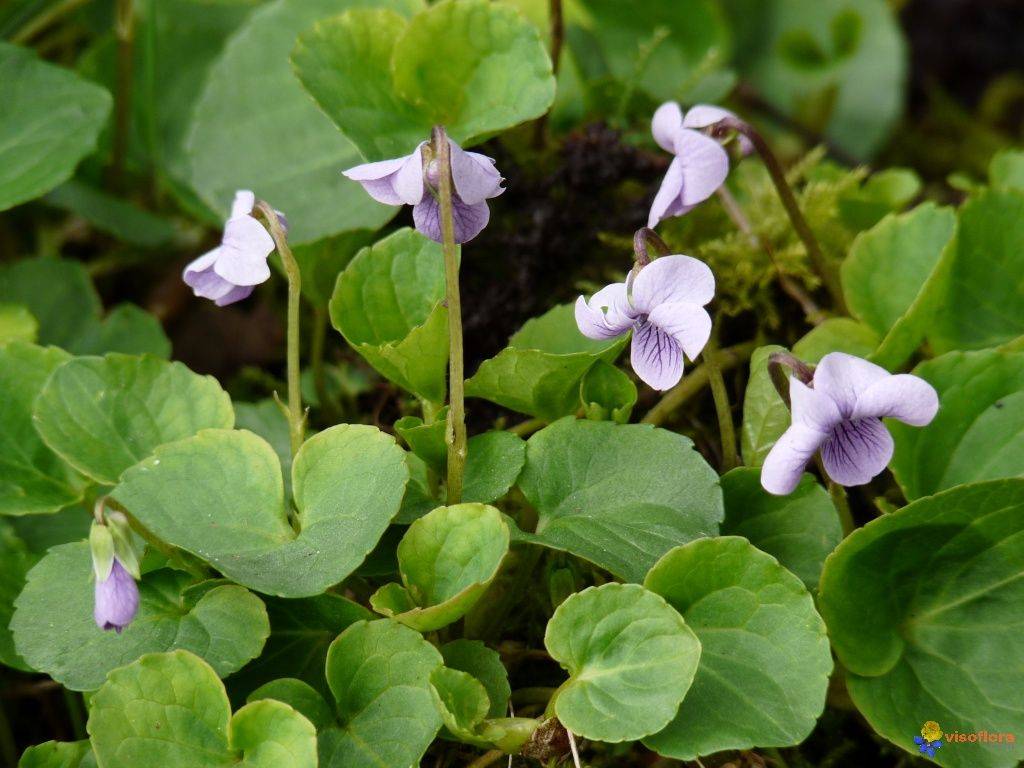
(931, 731)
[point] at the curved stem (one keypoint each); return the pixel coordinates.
(726, 428)
(486, 759)
(455, 434)
(646, 238)
(779, 360)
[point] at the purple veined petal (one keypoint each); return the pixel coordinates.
(674, 278)
(788, 458)
(237, 293)
(469, 220)
(244, 251)
(814, 410)
(908, 398)
(668, 202)
(408, 182)
(474, 175)
(667, 120)
(116, 599)
(705, 165)
(656, 357)
(706, 115)
(689, 324)
(606, 315)
(856, 451)
(378, 179)
(243, 203)
(843, 377)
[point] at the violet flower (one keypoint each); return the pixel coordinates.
(401, 181)
(670, 118)
(841, 415)
(230, 271)
(116, 600)
(664, 307)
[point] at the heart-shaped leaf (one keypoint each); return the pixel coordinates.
(540, 371)
(300, 696)
(170, 710)
(446, 559)
(104, 414)
(484, 664)
(35, 479)
(219, 495)
(630, 658)
(923, 609)
(379, 673)
(59, 754)
(388, 306)
(765, 659)
(620, 496)
(55, 632)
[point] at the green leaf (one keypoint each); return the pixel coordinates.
(846, 28)
(922, 607)
(978, 433)
(630, 658)
(348, 483)
(52, 119)
(298, 695)
(15, 562)
(887, 191)
(127, 329)
(388, 306)
(540, 371)
(321, 262)
(59, 754)
(33, 479)
(55, 632)
(17, 324)
(169, 709)
(799, 530)
(607, 393)
(982, 305)
(427, 441)
(837, 334)
(484, 664)
(1006, 170)
(57, 292)
(893, 275)
(463, 704)
(104, 414)
(765, 415)
(446, 560)
(799, 49)
(618, 495)
(267, 420)
(379, 673)
(765, 659)
(493, 463)
(291, 155)
(117, 217)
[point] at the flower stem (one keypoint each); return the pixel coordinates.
(646, 238)
(455, 433)
(296, 417)
(778, 176)
(726, 428)
(842, 504)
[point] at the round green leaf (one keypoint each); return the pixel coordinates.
(923, 608)
(446, 559)
(300, 696)
(388, 306)
(620, 496)
(484, 664)
(630, 658)
(799, 530)
(379, 673)
(52, 118)
(170, 710)
(765, 659)
(493, 463)
(127, 329)
(462, 701)
(220, 496)
(978, 433)
(837, 334)
(57, 292)
(104, 414)
(55, 632)
(59, 754)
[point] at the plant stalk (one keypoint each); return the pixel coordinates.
(455, 433)
(726, 428)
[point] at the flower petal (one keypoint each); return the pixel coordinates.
(908, 398)
(116, 599)
(843, 377)
(689, 324)
(812, 409)
(204, 282)
(375, 171)
(706, 115)
(469, 220)
(408, 182)
(474, 175)
(667, 120)
(243, 203)
(705, 165)
(237, 293)
(675, 278)
(244, 251)
(201, 264)
(788, 458)
(606, 315)
(668, 202)
(656, 357)
(857, 451)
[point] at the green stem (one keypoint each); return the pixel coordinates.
(528, 427)
(296, 417)
(486, 759)
(455, 434)
(726, 428)
(173, 555)
(842, 504)
(316, 357)
(45, 19)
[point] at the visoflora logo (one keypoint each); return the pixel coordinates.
(930, 739)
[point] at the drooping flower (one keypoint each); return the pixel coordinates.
(116, 599)
(230, 271)
(841, 415)
(401, 181)
(670, 118)
(664, 307)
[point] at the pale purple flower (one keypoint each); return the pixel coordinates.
(669, 118)
(664, 307)
(401, 181)
(230, 271)
(116, 600)
(841, 415)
